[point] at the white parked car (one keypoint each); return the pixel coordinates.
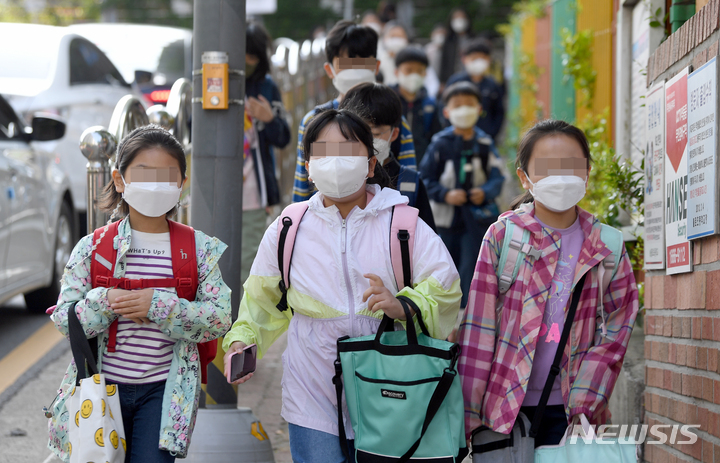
(51, 69)
(36, 210)
(166, 54)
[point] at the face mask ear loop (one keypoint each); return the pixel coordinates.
(531, 183)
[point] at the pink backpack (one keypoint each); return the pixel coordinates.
(402, 241)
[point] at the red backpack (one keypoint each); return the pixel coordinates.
(184, 264)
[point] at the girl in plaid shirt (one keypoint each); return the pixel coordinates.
(507, 352)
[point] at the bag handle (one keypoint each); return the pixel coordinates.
(555, 368)
(80, 346)
(387, 323)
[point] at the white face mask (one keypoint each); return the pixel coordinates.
(338, 177)
(438, 39)
(395, 44)
(347, 79)
(382, 148)
(459, 24)
(151, 199)
(464, 117)
(558, 193)
(477, 67)
(411, 82)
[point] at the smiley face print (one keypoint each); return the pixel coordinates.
(86, 408)
(99, 437)
(114, 439)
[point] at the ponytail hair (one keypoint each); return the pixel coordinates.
(352, 127)
(539, 131)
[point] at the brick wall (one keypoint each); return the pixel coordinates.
(682, 372)
(682, 324)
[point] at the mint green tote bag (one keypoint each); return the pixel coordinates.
(403, 395)
(589, 449)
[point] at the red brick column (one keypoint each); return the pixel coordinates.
(682, 375)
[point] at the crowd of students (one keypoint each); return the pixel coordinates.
(360, 156)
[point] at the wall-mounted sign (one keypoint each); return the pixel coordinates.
(678, 255)
(702, 151)
(655, 178)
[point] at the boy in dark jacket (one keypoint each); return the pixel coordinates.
(462, 171)
(476, 60)
(380, 107)
(419, 108)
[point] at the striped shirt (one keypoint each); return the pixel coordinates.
(303, 189)
(143, 353)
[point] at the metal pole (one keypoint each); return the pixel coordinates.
(222, 433)
(348, 10)
(217, 140)
(98, 146)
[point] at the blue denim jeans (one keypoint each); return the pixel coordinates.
(141, 406)
(311, 446)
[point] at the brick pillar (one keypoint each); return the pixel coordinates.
(682, 329)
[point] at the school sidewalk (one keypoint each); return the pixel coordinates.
(23, 427)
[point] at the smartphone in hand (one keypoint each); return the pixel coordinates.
(242, 363)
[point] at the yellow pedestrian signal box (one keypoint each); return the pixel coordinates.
(215, 80)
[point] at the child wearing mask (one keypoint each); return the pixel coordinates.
(154, 358)
(341, 281)
(476, 60)
(418, 107)
(351, 50)
(393, 40)
(463, 175)
(508, 341)
(380, 108)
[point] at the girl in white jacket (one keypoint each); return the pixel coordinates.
(342, 281)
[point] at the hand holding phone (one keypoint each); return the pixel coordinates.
(242, 363)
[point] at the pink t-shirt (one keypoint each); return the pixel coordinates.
(554, 317)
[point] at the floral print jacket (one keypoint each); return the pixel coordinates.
(206, 318)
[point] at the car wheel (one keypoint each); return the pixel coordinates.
(39, 300)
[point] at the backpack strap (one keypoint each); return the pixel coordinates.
(185, 271)
(515, 246)
(102, 268)
(287, 231)
(408, 182)
(402, 242)
(184, 259)
(608, 268)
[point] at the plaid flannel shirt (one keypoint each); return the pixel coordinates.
(498, 346)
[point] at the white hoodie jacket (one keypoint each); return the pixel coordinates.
(329, 259)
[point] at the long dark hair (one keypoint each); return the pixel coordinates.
(352, 127)
(257, 43)
(142, 138)
(539, 131)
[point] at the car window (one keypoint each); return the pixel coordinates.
(88, 65)
(171, 63)
(10, 126)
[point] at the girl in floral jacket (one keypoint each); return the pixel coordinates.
(155, 361)
(508, 341)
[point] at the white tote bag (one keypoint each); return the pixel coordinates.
(95, 427)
